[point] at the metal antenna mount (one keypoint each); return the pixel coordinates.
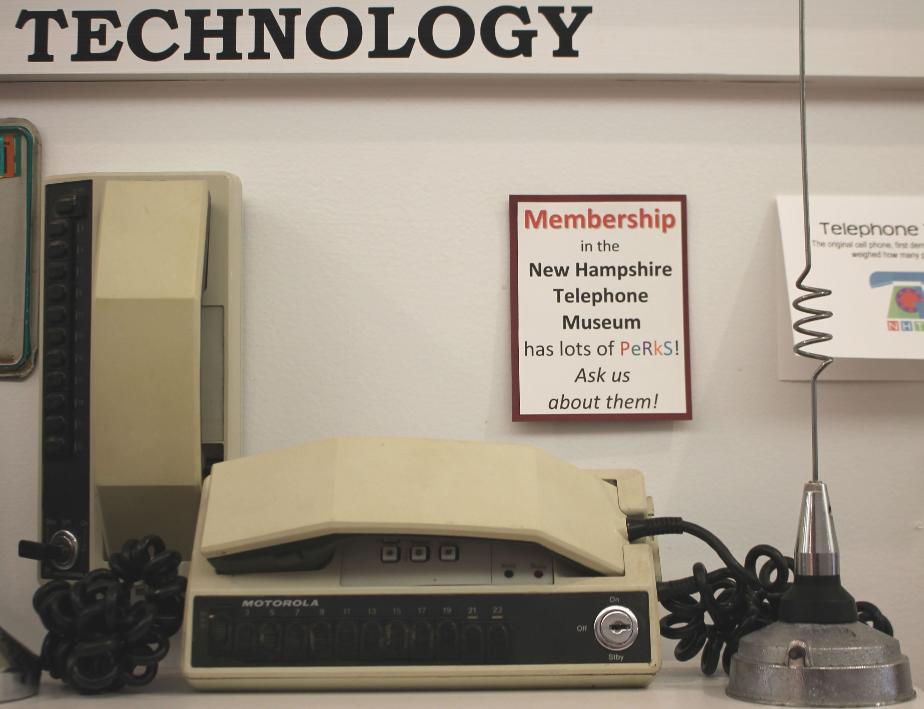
(817, 653)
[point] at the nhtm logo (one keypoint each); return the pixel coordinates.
(279, 603)
(906, 302)
(904, 326)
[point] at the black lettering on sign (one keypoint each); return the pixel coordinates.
(443, 32)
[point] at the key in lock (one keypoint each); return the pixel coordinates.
(616, 628)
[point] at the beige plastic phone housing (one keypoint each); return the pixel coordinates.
(155, 329)
(388, 486)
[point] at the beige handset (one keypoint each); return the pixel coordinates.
(144, 376)
(141, 339)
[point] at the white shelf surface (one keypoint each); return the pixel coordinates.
(675, 686)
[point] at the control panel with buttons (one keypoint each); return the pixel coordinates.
(424, 629)
(66, 306)
(368, 560)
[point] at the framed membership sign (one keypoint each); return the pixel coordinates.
(599, 312)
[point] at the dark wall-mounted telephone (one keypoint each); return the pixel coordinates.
(141, 353)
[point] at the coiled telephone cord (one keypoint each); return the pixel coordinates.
(710, 612)
(99, 639)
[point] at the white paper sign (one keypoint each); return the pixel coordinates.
(599, 308)
(869, 251)
(79, 39)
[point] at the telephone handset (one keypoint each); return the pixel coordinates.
(378, 562)
(141, 355)
(409, 486)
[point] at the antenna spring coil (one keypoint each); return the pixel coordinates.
(812, 315)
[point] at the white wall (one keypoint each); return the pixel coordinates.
(376, 277)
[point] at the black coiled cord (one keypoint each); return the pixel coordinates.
(99, 639)
(712, 611)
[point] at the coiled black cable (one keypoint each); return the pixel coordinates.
(100, 638)
(710, 612)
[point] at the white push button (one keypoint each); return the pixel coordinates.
(449, 552)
